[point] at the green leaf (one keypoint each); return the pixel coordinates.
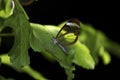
(83, 57)
(114, 50)
(19, 52)
(6, 8)
(43, 35)
(92, 39)
(35, 43)
(105, 56)
(19, 22)
(42, 41)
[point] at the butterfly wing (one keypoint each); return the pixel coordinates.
(68, 34)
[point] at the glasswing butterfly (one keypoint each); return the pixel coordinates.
(68, 34)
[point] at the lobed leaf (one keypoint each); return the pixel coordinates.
(19, 23)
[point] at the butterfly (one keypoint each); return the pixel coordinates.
(68, 34)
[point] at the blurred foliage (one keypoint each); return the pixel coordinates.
(91, 46)
(2, 78)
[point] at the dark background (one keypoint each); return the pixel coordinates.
(102, 16)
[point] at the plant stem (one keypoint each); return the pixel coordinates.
(27, 69)
(6, 34)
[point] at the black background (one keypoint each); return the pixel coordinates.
(102, 16)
